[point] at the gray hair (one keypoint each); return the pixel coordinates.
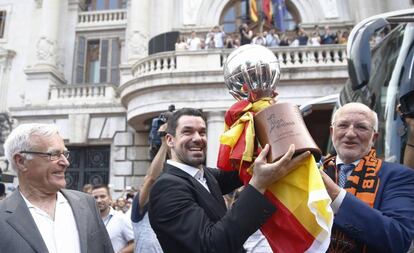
(20, 138)
(373, 117)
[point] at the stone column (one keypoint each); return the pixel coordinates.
(215, 126)
(137, 30)
(6, 57)
(47, 44)
(45, 71)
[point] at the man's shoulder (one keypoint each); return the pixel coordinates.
(172, 173)
(11, 201)
(77, 196)
(74, 193)
(396, 170)
(172, 177)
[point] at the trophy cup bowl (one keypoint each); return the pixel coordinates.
(252, 72)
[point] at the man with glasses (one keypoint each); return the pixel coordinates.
(40, 215)
(373, 200)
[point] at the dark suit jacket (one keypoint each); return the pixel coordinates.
(19, 233)
(389, 226)
(188, 218)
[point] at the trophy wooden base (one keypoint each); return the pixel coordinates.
(280, 125)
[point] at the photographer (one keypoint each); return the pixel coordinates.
(155, 136)
(145, 238)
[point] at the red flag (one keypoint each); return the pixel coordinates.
(268, 10)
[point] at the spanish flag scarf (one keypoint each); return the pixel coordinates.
(363, 183)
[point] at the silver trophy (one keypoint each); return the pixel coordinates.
(252, 72)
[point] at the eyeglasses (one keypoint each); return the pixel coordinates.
(358, 127)
(53, 156)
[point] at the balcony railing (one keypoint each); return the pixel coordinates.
(289, 57)
(83, 94)
(102, 19)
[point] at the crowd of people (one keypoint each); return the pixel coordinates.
(217, 38)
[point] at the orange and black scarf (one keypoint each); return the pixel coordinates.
(363, 183)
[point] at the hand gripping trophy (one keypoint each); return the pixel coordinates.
(304, 218)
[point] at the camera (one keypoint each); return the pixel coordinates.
(154, 137)
(407, 105)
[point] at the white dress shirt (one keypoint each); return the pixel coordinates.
(119, 228)
(336, 204)
(196, 173)
(61, 234)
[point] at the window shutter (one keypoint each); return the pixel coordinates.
(104, 61)
(115, 59)
(2, 23)
(80, 60)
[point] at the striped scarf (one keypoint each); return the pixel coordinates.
(363, 183)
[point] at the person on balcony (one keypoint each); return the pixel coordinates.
(246, 34)
(259, 39)
(328, 37)
(301, 36)
(272, 39)
(194, 43)
(181, 45)
(314, 40)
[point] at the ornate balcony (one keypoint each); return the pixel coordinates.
(106, 19)
(195, 78)
(83, 94)
(289, 57)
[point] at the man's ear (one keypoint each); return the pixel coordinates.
(374, 138)
(19, 162)
(170, 140)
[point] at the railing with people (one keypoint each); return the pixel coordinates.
(289, 57)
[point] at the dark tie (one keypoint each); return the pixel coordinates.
(343, 171)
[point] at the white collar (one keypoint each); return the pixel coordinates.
(192, 171)
(59, 200)
(339, 161)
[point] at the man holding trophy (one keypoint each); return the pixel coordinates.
(187, 209)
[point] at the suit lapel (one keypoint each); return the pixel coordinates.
(80, 217)
(180, 173)
(21, 220)
(214, 187)
(212, 200)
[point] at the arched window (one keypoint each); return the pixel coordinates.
(237, 12)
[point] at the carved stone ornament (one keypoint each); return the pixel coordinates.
(46, 50)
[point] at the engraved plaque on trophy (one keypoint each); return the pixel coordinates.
(252, 72)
